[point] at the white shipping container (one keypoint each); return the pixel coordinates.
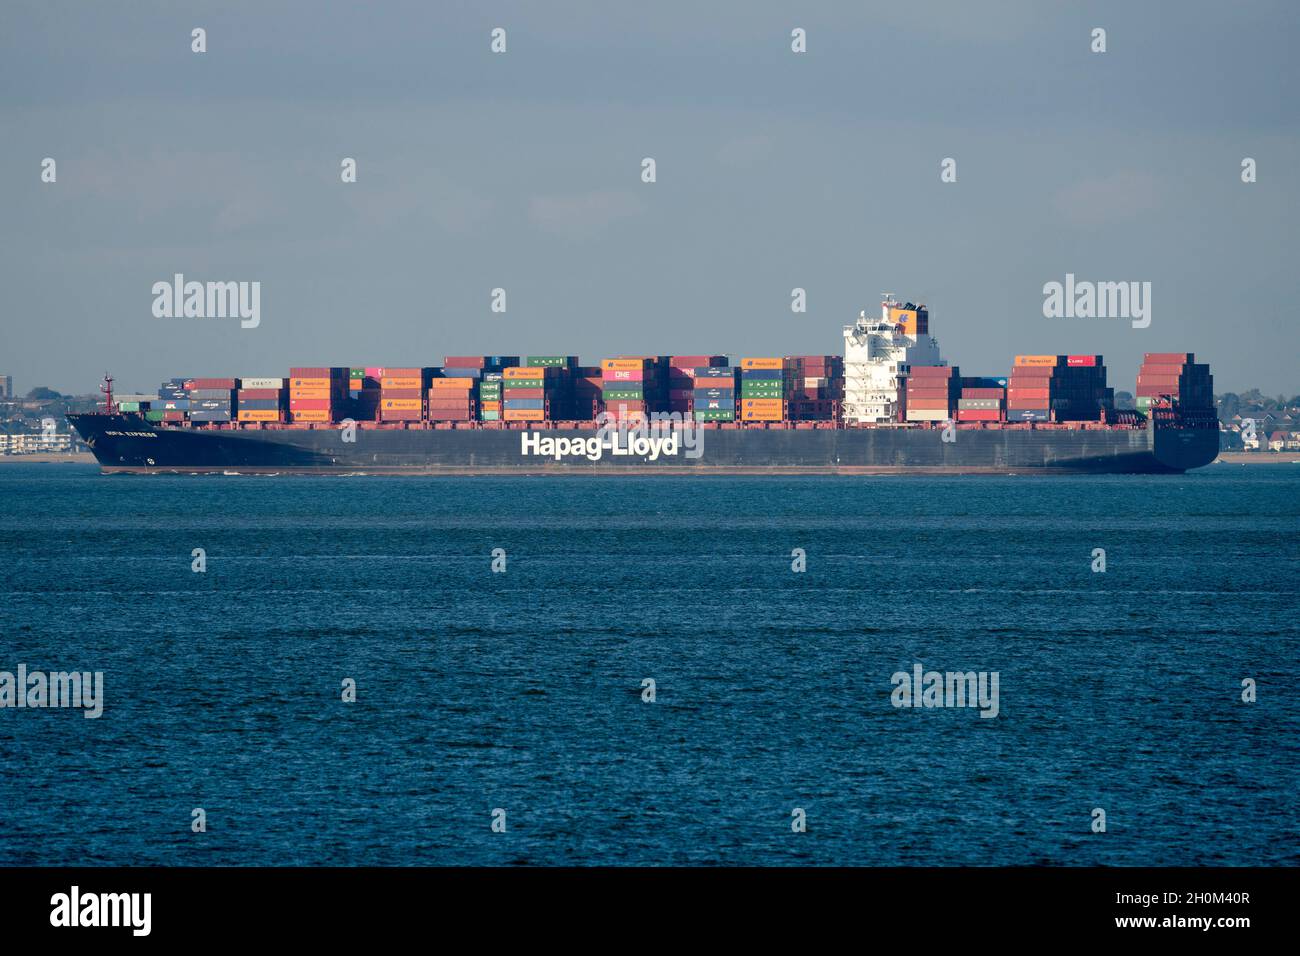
(927, 415)
(263, 383)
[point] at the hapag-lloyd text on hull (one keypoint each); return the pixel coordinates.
(616, 443)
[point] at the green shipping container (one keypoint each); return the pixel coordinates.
(128, 406)
(152, 416)
(524, 383)
(551, 361)
(714, 415)
(753, 392)
(490, 416)
(624, 394)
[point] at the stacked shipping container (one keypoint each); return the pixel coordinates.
(262, 400)
(401, 393)
(212, 399)
(1059, 388)
(627, 386)
(526, 390)
(364, 393)
(982, 400)
(762, 389)
(815, 386)
(453, 394)
(713, 399)
(931, 393)
(1166, 376)
(174, 400)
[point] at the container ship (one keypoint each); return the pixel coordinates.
(889, 404)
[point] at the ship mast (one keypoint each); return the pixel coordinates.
(110, 407)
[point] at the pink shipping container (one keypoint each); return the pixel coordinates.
(210, 383)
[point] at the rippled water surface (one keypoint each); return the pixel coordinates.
(523, 690)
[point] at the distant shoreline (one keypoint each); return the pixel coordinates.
(1257, 457)
(78, 458)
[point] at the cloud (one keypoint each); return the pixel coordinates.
(583, 215)
(1100, 201)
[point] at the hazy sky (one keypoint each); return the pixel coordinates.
(522, 171)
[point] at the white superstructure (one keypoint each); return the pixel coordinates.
(876, 350)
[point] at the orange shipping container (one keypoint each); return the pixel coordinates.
(451, 384)
(316, 393)
(309, 383)
(400, 404)
(763, 404)
(1050, 360)
(310, 416)
(1015, 393)
(764, 363)
(400, 381)
(259, 415)
(491, 406)
(622, 363)
(524, 415)
(524, 371)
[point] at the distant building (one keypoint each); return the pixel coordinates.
(6, 386)
(35, 443)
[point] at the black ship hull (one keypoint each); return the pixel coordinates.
(128, 443)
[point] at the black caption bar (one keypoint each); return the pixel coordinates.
(332, 905)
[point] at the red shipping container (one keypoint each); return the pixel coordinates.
(210, 383)
(1014, 394)
(312, 372)
(1158, 379)
(1168, 358)
(932, 371)
(173, 416)
(310, 404)
(450, 415)
(978, 415)
(918, 392)
(983, 393)
(464, 361)
(1083, 360)
(260, 393)
(696, 361)
(402, 393)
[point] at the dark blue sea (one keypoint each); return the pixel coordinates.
(522, 691)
